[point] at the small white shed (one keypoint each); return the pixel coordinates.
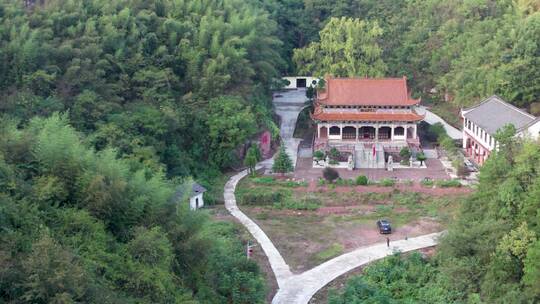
(195, 195)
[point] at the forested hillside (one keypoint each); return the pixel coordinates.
(163, 81)
(105, 107)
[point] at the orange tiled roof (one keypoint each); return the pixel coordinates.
(366, 116)
(366, 91)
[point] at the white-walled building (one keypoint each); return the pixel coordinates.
(481, 122)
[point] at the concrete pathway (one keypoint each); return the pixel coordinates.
(300, 288)
(278, 264)
(432, 118)
(288, 105)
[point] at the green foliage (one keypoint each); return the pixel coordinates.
(361, 180)
(347, 48)
(421, 157)
(282, 162)
(318, 156)
(87, 226)
(443, 183)
(307, 203)
(427, 182)
(334, 154)
(333, 250)
(405, 153)
(395, 279)
(153, 76)
(253, 156)
(262, 198)
(330, 174)
(226, 134)
(387, 182)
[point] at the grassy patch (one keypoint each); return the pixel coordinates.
(448, 183)
(387, 182)
(306, 203)
(333, 251)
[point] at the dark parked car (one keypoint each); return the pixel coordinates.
(384, 226)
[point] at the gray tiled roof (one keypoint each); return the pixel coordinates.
(494, 113)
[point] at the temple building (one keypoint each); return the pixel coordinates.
(360, 115)
(481, 122)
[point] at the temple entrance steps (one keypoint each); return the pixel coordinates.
(364, 157)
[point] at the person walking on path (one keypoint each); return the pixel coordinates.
(387, 242)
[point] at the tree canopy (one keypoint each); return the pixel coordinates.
(85, 226)
(347, 48)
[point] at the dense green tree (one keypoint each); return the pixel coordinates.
(347, 48)
(230, 123)
(253, 156)
(282, 161)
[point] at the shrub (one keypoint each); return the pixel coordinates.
(321, 182)
(421, 157)
(362, 180)
(437, 129)
(405, 153)
(427, 182)
(448, 183)
(262, 198)
(330, 174)
(387, 182)
(333, 162)
(334, 153)
(307, 203)
(282, 162)
(318, 156)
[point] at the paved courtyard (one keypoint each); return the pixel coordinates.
(434, 170)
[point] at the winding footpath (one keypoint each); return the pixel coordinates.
(281, 270)
(300, 288)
